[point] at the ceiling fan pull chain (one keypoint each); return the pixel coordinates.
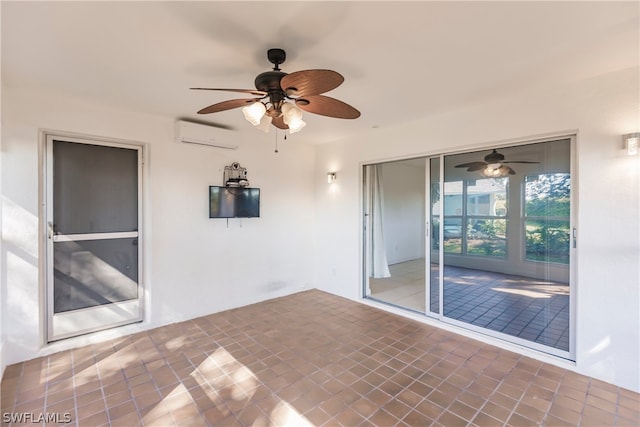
(276, 150)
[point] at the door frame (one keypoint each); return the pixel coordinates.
(137, 313)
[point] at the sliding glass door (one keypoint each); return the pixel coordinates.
(496, 226)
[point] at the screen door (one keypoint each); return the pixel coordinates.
(94, 247)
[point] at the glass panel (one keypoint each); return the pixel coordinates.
(495, 227)
(94, 272)
(452, 233)
(487, 237)
(548, 195)
(487, 197)
(453, 198)
(547, 209)
(435, 235)
(547, 240)
(95, 188)
(396, 216)
(434, 278)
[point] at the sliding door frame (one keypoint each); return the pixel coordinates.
(573, 227)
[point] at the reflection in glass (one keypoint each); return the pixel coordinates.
(487, 237)
(489, 280)
(434, 278)
(547, 209)
(547, 240)
(452, 233)
(487, 197)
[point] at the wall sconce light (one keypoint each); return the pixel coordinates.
(631, 142)
(331, 176)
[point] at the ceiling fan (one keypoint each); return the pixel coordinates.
(281, 97)
(493, 165)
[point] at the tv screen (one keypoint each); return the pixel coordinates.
(234, 202)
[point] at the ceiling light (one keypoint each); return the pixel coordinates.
(495, 170)
(292, 117)
(631, 142)
(265, 123)
(296, 125)
(254, 112)
(258, 115)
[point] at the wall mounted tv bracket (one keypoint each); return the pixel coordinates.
(235, 176)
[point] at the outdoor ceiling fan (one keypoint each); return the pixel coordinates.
(280, 98)
(493, 166)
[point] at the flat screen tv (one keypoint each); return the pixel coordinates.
(234, 202)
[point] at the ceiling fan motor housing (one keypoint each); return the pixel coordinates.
(494, 157)
(276, 56)
(269, 81)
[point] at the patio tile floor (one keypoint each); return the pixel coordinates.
(310, 358)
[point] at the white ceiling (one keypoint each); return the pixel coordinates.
(400, 60)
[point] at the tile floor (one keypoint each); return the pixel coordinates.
(532, 309)
(307, 359)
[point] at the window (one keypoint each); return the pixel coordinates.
(475, 217)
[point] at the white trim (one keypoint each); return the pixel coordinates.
(94, 319)
(94, 236)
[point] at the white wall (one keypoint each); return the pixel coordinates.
(193, 265)
(601, 109)
(403, 210)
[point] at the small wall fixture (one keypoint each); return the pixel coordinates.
(631, 142)
(331, 176)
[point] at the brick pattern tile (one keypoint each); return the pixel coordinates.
(309, 359)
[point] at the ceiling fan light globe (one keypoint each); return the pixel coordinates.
(296, 125)
(494, 171)
(254, 112)
(265, 123)
(291, 113)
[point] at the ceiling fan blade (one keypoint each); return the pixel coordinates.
(509, 170)
(279, 122)
(472, 165)
(228, 105)
(310, 82)
(250, 91)
(520, 161)
(327, 106)
(477, 167)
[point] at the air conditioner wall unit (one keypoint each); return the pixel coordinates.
(195, 133)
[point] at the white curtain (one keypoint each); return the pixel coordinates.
(379, 265)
